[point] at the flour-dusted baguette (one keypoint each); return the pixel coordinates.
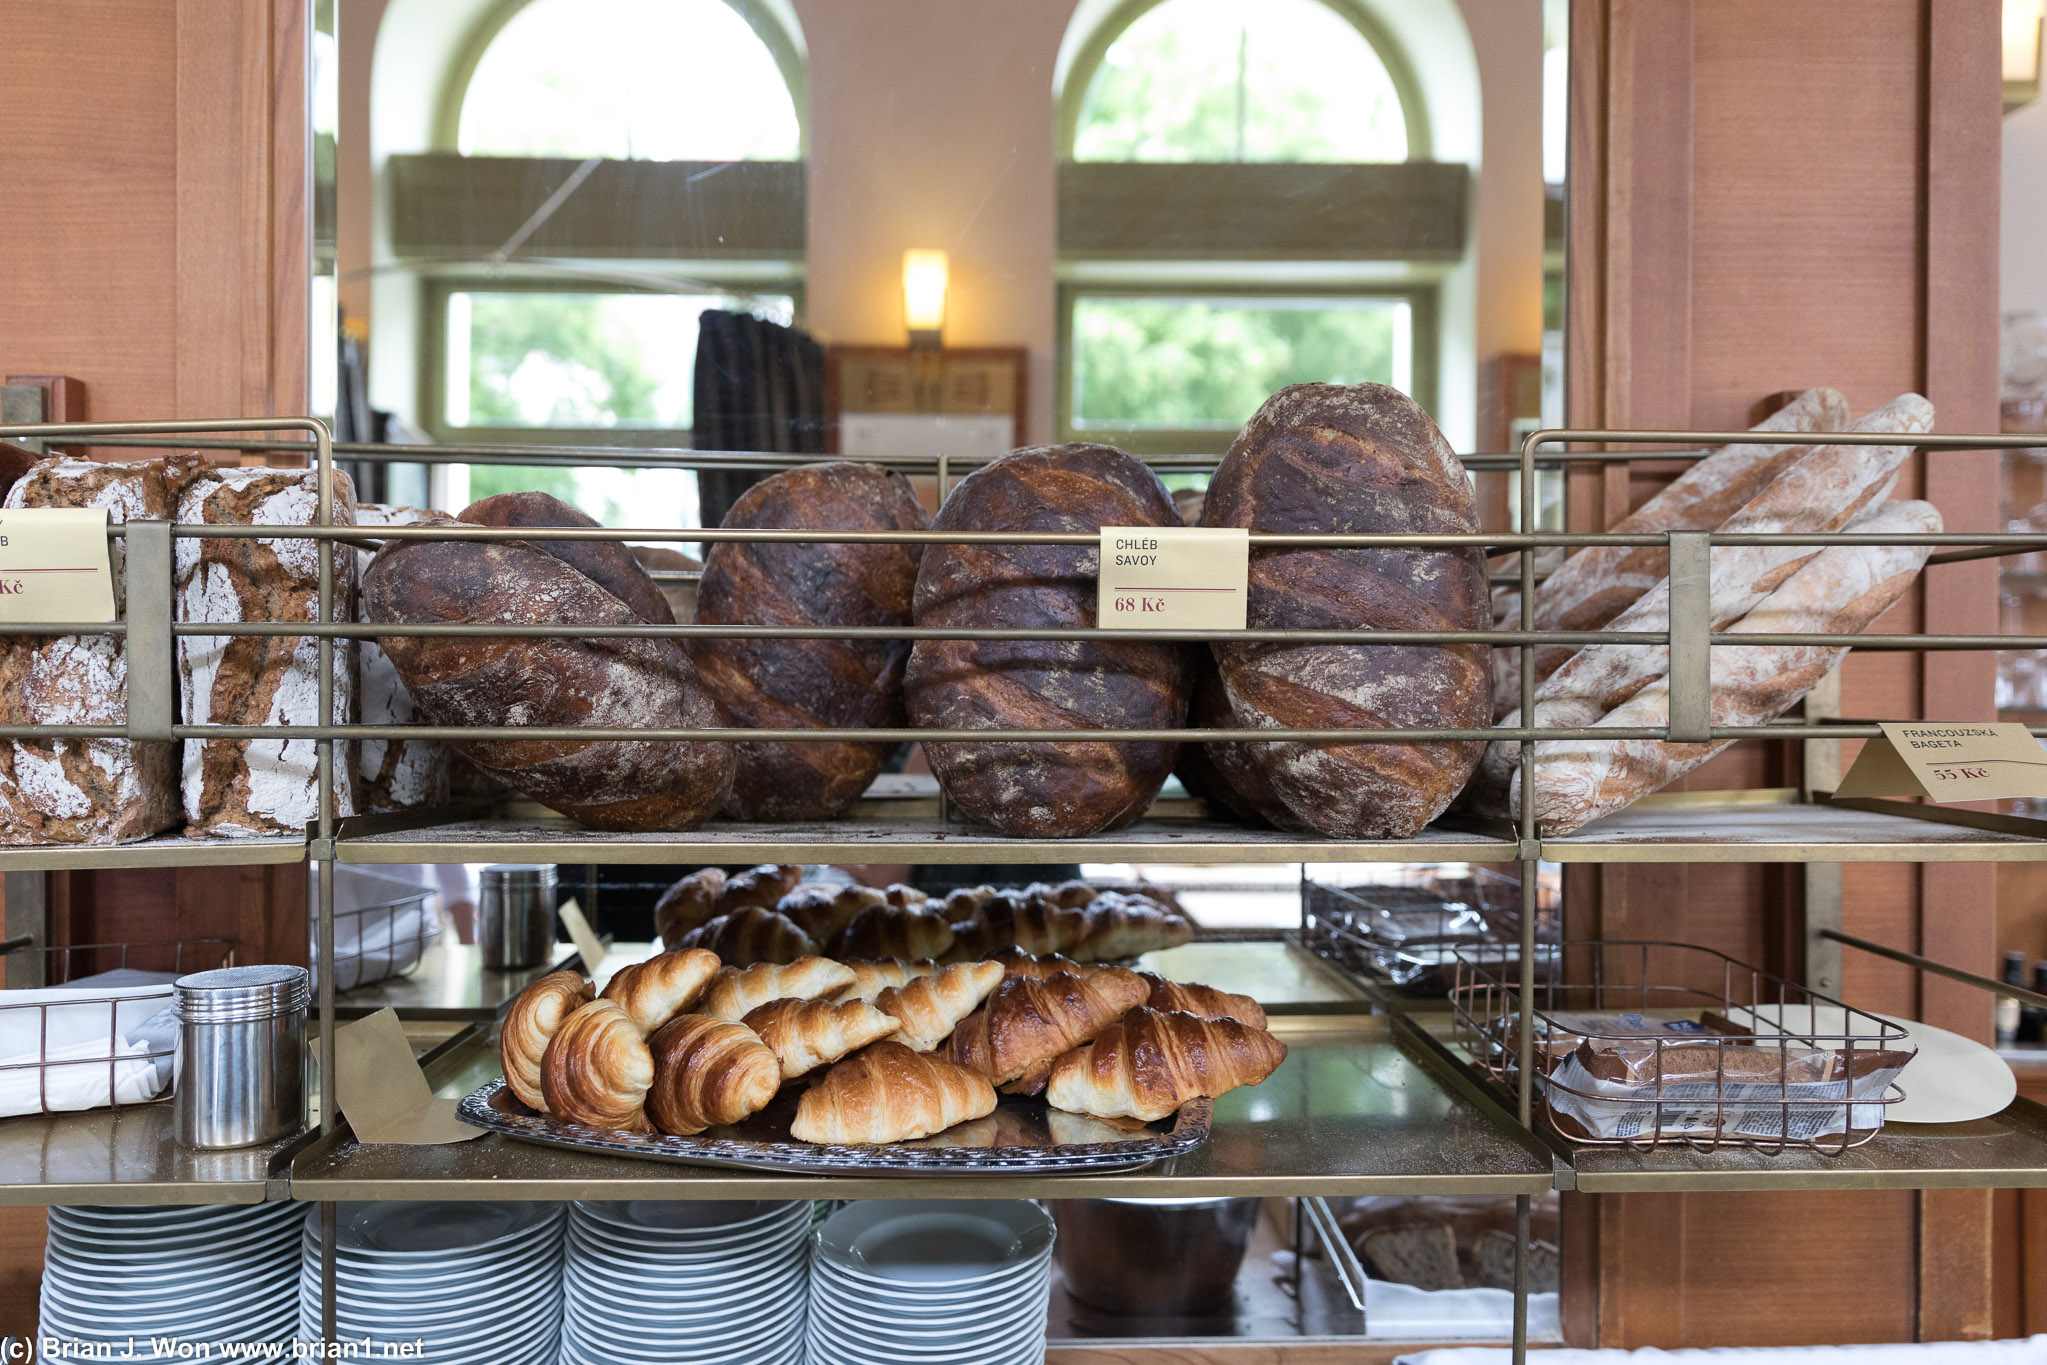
(92, 791)
(613, 683)
(392, 774)
(237, 788)
(1043, 790)
(805, 684)
(1842, 590)
(1597, 584)
(1823, 490)
(1358, 458)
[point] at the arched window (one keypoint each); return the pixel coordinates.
(1182, 308)
(1221, 80)
(695, 81)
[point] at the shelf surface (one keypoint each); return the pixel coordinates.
(1352, 1111)
(1694, 830)
(130, 1155)
(163, 851)
(1273, 972)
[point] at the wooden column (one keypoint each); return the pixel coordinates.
(1767, 195)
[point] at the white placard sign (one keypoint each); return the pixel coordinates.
(53, 565)
(1173, 578)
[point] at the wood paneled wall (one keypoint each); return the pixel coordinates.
(1766, 195)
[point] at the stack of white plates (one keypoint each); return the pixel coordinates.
(669, 1283)
(207, 1274)
(468, 1281)
(939, 1282)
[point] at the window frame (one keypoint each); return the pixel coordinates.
(433, 355)
(1088, 61)
(1421, 297)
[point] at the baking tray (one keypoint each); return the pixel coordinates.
(762, 1143)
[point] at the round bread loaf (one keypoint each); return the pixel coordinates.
(1227, 773)
(1357, 459)
(549, 682)
(607, 563)
(1043, 790)
(810, 683)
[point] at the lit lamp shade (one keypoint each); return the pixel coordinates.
(2022, 34)
(925, 279)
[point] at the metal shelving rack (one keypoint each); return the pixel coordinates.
(1355, 1148)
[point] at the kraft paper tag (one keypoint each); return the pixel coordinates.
(1173, 578)
(588, 946)
(382, 1092)
(53, 565)
(1949, 761)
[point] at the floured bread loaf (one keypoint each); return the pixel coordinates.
(392, 774)
(237, 788)
(96, 791)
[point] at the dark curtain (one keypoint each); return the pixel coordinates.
(759, 386)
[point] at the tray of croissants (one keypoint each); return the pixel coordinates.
(806, 1045)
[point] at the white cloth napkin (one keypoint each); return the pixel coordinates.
(86, 1049)
(1404, 1313)
(2026, 1351)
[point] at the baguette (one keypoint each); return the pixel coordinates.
(1842, 590)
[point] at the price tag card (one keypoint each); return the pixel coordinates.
(1173, 578)
(53, 565)
(1949, 761)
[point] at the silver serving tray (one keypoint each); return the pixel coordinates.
(1024, 1136)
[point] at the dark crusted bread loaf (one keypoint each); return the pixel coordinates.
(1362, 459)
(607, 563)
(501, 681)
(1043, 790)
(810, 683)
(1226, 773)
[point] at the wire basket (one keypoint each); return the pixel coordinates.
(382, 926)
(1405, 931)
(1645, 1044)
(95, 1031)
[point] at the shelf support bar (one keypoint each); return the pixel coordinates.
(1927, 964)
(152, 702)
(1691, 626)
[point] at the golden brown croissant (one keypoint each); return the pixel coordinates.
(735, 990)
(822, 909)
(534, 1019)
(749, 935)
(900, 894)
(761, 886)
(708, 1072)
(1026, 1023)
(1203, 1002)
(596, 1069)
(961, 903)
(887, 1093)
(928, 1007)
(1071, 895)
(1147, 1064)
(893, 931)
(1121, 926)
(873, 976)
(1011, 919)
(687, 904)
(655, 991)
(808, 1034)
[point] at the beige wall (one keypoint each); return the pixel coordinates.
(932, 123)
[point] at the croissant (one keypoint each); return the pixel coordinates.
(596, 1069)
(900, 894)
(1147, 1064)
(887, 1093)
(749, 935)
(808, 1034)
(708, 1072)
(1070, 895)
(735, 990)
(655, 991)
(928, 1007)
(893, 931)
(1121, 926)
(761, 886)
(961, 903)
(872, 977)
(687, 904)
(822, 909)
(533, 1019)
(1027, 1023)
(1203, 1002)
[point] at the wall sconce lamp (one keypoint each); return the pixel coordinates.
(924, 287)
(2022, 43)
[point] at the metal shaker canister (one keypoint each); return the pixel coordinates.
(515, 914)
(241, 1055)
